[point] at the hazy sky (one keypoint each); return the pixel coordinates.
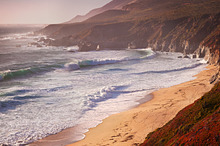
(44, 11)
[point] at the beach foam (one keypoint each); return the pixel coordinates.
(85, 63)
(95, 85)
(72, 49)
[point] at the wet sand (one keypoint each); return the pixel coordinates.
(131, 127)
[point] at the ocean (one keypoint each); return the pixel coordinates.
(45, 89)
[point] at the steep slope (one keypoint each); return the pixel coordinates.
(166, 25)
(58, 31)
(115, 4)
(213, 42)
(108, 16)
(197, 124)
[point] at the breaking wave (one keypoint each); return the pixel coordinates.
(84, 63)
(11, 74)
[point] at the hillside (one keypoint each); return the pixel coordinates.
(113, 5)
(178, 26)
(58, 31)
(197, 124)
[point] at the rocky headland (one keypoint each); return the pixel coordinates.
(189, 26)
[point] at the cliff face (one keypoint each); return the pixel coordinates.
(213, 43)
(188, 26)
(189, 35)
(197, 124)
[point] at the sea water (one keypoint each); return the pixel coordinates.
(45, 89)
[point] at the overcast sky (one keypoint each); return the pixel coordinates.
(44, 11)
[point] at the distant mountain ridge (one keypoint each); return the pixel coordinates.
(113, 5)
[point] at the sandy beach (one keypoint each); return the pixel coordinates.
(132, 126)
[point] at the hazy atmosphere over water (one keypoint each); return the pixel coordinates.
(44, 11)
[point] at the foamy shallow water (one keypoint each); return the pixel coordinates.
(52, 89)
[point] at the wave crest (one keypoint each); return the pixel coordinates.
(148, 53)
(11, 74)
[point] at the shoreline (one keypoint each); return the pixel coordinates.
(65, 137)
(132, 126)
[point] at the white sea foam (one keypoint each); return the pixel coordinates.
(21, 36)
(71, 66)
(203, 61)
(72, 48)
(14, 37)
(48, 103)
(94, 62)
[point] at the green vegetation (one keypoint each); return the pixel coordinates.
(197, 123)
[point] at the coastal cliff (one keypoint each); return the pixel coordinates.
(189, 26)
